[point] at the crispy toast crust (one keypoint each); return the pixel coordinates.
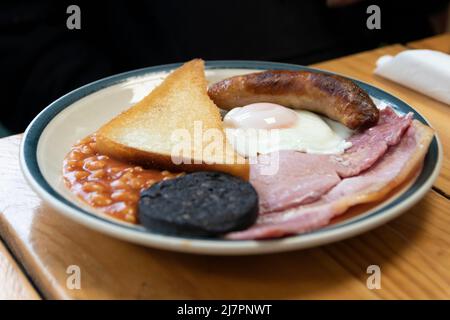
(149, 159)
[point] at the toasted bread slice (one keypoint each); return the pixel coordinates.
(153, 132)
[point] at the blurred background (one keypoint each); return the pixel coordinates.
(41, 59)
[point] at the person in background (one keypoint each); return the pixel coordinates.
(41, 59)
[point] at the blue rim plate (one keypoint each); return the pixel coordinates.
(61, 114)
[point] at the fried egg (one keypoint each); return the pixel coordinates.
(261, 128)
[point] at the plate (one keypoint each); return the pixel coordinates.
(82, 111)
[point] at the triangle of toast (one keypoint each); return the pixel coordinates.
(154, 131)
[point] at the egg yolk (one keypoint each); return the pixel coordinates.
(262, 115)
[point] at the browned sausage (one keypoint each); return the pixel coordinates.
(333, 96)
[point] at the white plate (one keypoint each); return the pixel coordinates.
(81, 112)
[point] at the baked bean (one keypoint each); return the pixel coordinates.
(93, 187)
(124, 195)
(127, 175)
(70, 168)
(74, 163)
(89, 159)
(119, 185)
(76, 155)
(98, 174)
(80, 175)
(114, 172)
(136, 183)
(99, 199)
(108, 184)
(94, 165)
(129, 213)
(86, 150)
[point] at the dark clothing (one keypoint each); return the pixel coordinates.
(41, 59)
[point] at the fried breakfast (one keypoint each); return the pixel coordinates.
(293, 150)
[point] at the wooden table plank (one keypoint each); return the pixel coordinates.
(14, 285)
(440, 43)
(412, 251)
(360, 66)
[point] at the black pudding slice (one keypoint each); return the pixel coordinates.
(199, 204)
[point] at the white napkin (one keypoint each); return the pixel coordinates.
(426, 71)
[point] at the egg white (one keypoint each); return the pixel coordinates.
(311, 133)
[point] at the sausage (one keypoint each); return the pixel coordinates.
(336, 97)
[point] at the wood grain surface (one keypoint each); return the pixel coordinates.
(413, 251)
(440, 43)
(14, 285)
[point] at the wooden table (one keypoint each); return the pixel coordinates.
(413, 251)
(440, 43)
(13, 283)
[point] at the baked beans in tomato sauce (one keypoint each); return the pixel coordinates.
(108, 184)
